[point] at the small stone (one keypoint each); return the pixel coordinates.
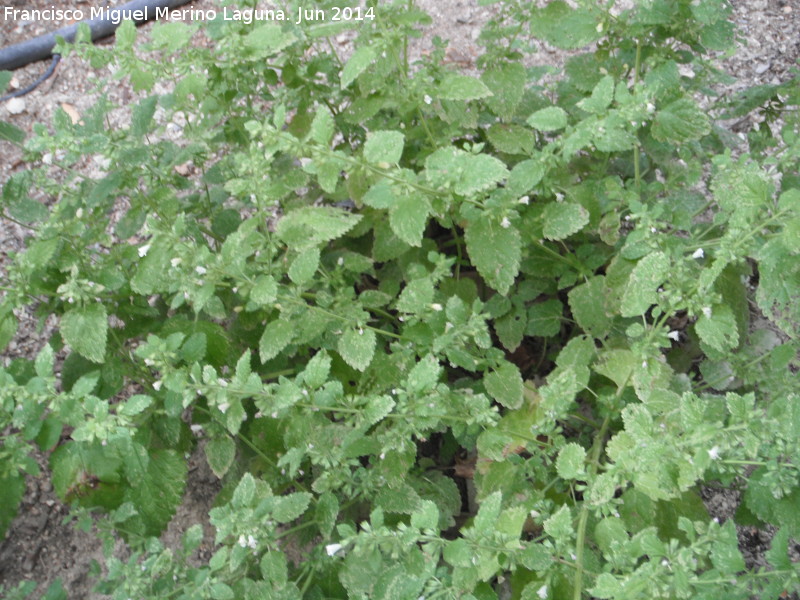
(15, 106)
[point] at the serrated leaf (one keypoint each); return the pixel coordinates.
(425, 375)
(510, 328)
(507, 84)
(641, 292)
(265, 290)
(725, 554)
(408, 217)
(462, 87)
(277, 335)
(495, 251)
(606, 586)
(12, 488)
(525, 175)
(587, 303)
(564, 27)
(358, 63)
(718, 329)
(304, 266)
(357, 347)
(680, 121)
(570, 461)
(317, 370)
(158, 493)
(417, 296)
(504, 384)
(602, 95)
(326, 512)
(559, 525)
(135, 405)
(268, 39)
(314, 225)
(488, 513)
(322, 127)
(551, 118)
(11, 133)
(544, 318)
(384, 147)
(562, 219)
(85, 330)
(426, 516)
(142, 115)
(220, 453)
(288, 508)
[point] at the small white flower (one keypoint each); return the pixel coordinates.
(627, 217)
(252, 542)
(713, 454)
(200, 270)
(653, 230)
(242, 541)
(340, 261)
(157, 385)
(651, 107)
(674, 335)
(707, 311)
(360, 331)
(427, 99)
(222, 382)
(332, 549)
(698, 253)
(542, 592)
(525, 200)
(196, 429)
(534, 514)
(143, 250)
(448, 326)
(505, 223)
(437, 307)
(79, 213)
(175, 262)
(559, 197)
(382, 455)
(224, 407)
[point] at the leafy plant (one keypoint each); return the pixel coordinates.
(449, 336)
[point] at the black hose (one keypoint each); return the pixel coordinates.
(43, 77)
(38, 48)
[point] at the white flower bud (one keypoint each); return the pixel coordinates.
(698, 253)
(332, 549)
(143, 250)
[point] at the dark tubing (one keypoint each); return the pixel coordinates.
(19, 55)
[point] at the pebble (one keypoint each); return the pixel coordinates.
(15, 106)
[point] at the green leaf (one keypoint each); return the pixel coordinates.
(265, 290)
(220, 453)
(304, 266)
(564, 27)
(11, 133)
(495, 251)
(562, 219)
(158, 493)
(358, 63)
(505, 385)
(717, 328)
(544, 318)
(322, 127)
(12, 488)
(587, 303)
(85, 330)
(426, 516)
(510, 328)
(462, 87)
(559, 525)
(606, 586)
(417, 296)
(602, 95)
(277, 335)
(409, 216)
(570, 461)
(641, 291)
(326, 512)
(488, 513)
(425, 375)
(288, 508)
(357, 347)
(142, 115)
(725, 554)
(525, 175)
(680, 121)
(384, 147)
(551, 118)
(135, 405)
(317, 370)
(314, 225)
(268, 39)
(507, 84)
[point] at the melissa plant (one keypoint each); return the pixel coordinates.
(442, 336)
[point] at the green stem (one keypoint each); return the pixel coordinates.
(594, 459)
